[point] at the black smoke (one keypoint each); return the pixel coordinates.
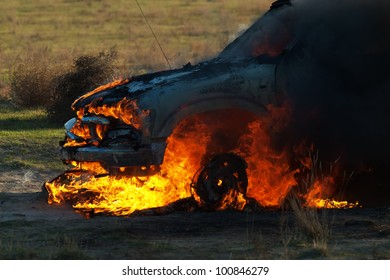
(335, 71)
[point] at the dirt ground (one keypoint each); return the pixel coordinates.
(32, 229)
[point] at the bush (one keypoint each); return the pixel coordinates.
(4, 88)
(31, 82)
(37, 82)
(87, 73)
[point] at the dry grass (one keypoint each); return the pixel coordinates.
(45, 37)
(188, 30)
(305, 232)
(311, 223)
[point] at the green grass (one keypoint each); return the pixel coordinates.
(28, 139)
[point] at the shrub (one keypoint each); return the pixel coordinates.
(31, 82)
(37, 82)
(87, 73)
(4, 87)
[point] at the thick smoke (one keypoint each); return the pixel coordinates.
(335, 71)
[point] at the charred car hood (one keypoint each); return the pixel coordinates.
(163, 80)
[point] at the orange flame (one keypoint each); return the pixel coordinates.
(125, 110)
(270, 177)
(269, 174)
(74, 143)
(81, 130)
(101, 88)
(320, 193)
(124, 195)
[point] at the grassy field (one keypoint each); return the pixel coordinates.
(189, 30)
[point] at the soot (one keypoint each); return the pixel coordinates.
(336, 75)
(334, 72)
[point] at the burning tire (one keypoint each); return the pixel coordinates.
(222, 183)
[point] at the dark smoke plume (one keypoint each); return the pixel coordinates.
(335, 70)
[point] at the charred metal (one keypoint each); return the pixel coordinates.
(168, 97)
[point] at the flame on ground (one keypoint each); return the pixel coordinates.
(319, 193)
(120, 195)
(270, 177)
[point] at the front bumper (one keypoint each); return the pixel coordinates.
(152, 154)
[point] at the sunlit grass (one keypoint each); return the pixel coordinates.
(28, 139)
(188, 30)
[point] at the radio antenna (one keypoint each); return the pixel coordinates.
(154, 35)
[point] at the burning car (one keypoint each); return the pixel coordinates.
(127, 124)
(213, 131)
